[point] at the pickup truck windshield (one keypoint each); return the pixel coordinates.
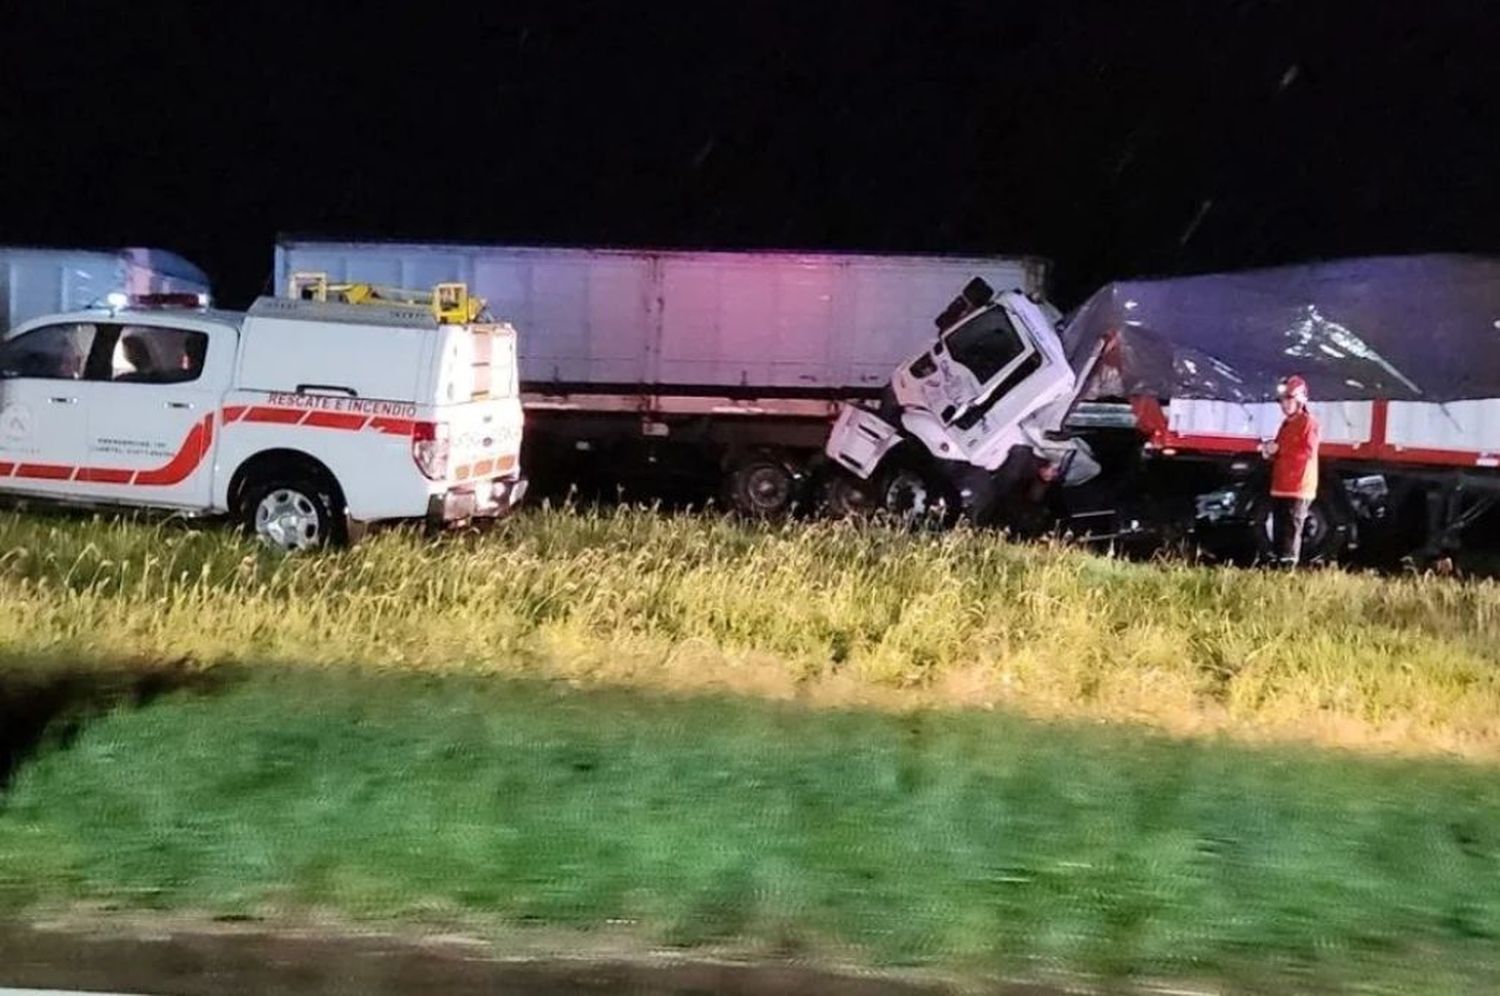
(986, 345)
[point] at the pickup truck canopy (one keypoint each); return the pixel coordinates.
(1400, 328)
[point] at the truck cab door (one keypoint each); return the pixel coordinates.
(43, 374)
(990, 372)
(152, 416)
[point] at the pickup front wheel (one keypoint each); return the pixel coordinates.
(292, 515)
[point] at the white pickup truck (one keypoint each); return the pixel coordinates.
(304, 419)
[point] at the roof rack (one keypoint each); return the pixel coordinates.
(450, 303)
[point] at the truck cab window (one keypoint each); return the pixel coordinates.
(975, 413)
(54, 352)
(986, 345)
(147, 355)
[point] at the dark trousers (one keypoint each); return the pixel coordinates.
(1288, 515)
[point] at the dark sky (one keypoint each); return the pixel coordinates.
(1117, 138)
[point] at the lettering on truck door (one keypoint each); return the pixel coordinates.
(42, 416)
(153, 414)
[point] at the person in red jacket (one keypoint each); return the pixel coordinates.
(1294, 470)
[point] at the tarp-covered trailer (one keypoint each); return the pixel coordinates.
(46, 281)
(1142, 415)
(1402, 356)
(728, 365)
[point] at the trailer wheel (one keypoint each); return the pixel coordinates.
(762, 487)
(844, 496)
(913, 498)
(1323, 534)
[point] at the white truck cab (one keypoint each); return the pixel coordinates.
(970, 397)
(301, 418)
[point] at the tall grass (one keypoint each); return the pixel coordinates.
(614, 821)
(828, 612)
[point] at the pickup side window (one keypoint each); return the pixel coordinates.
(986, 345)
(143, 354)
(52, 352)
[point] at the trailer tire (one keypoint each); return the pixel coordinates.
(1324, 535)
(841, 495)
(762, 486)
(916, 498)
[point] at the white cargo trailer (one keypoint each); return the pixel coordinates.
(729, 363)
(47, 281)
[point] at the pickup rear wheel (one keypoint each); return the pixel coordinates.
(294, 514)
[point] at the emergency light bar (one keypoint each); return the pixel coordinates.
(118, 300)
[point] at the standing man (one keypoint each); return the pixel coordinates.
(1294, 470)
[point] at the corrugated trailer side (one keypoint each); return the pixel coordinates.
(644, 318)
(731, 363)
(42, 281)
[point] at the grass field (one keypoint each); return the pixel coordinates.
(830, 742)
(828, 613)
(975, 843)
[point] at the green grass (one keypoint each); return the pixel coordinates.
(829, 613)
(530, 731)
(974, 843)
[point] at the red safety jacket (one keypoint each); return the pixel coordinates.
(1294, 470)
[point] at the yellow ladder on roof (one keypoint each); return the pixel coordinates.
(451, 303)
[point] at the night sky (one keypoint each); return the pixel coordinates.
(1116, 138)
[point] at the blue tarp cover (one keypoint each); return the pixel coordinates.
(1402, 328)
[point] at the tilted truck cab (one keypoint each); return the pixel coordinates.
(300, 418)
(995, 379)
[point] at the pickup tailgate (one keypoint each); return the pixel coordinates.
(484, 439)
(480, 402)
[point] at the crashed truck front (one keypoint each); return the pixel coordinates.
(968, 417)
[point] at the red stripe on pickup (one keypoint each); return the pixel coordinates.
(393, 426)
(6, 469)
(317, 419)
(103, 475)
(45, 471)
(336, 420)
(275, 416)
(181, 466)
